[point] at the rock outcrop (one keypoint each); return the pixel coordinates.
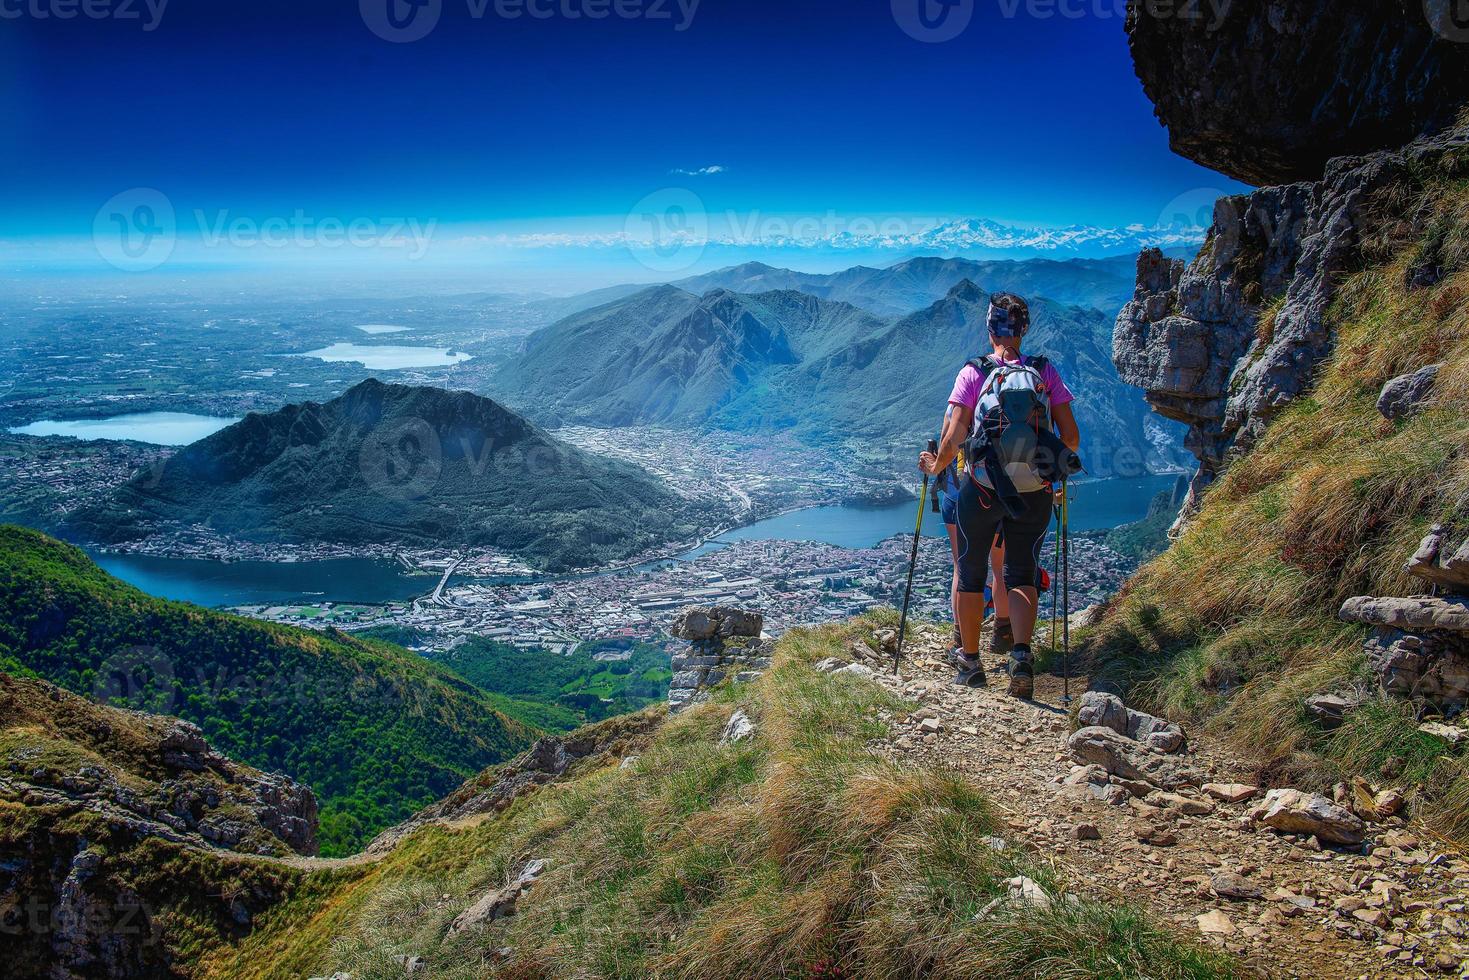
(139, 769)
(122, 832)
(1269, 92)
(723, 642)
(1419, 645)
(1198, 339)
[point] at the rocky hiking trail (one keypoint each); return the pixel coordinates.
(1181, 842)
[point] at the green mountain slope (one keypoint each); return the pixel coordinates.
(396, 464)
(666, 850)
(375, 731)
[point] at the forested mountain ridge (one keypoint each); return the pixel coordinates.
(376, 731)
(401, 465)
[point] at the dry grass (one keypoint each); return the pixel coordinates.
(799, 853)
(1236, 623)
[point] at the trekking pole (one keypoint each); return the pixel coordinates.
(1065, 595)
(933, 447)
(1056, 586)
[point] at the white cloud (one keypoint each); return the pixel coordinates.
(701, 172)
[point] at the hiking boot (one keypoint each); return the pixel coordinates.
(1022, 674)
(971, 671)
(1002, 638)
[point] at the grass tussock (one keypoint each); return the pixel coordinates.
(798, 853)
(1236, 623)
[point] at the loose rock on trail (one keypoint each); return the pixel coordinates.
(1174, 831)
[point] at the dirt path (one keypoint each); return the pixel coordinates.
(1398, 912)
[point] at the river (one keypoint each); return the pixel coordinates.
(1095, 504)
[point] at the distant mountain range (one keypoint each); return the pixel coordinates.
(1105, 283)
(787, 359)
(395, 464)
(1180, 228)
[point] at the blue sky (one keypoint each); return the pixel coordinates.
(519, 125)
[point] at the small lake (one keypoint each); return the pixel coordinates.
(1095, 504)
(381, 328)
(241, 583)
(386, 357)
(158, 428)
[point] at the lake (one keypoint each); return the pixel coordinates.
(378, 328)
(158, 428)
(387, 357)
(241, 583)
(1096, 504)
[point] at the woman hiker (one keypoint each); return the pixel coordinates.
(980, 515)
(947, 486)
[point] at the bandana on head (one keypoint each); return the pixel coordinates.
(1001, 324)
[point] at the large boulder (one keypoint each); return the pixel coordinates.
(1414, 613)
(1100, 709)
(1268, 92)
(704, 623)
(1295, 812)
(1407, 393)
(1122, 757)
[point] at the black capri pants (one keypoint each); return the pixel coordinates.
(981, 517)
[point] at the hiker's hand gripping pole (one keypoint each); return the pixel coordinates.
(933, 448)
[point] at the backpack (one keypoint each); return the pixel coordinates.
(1013, 411)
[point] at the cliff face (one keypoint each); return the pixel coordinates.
(1268, 91)
(1224, 343)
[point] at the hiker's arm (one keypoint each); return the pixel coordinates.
(1066, 428)
(959, 421)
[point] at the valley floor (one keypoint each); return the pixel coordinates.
(1399, 911)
